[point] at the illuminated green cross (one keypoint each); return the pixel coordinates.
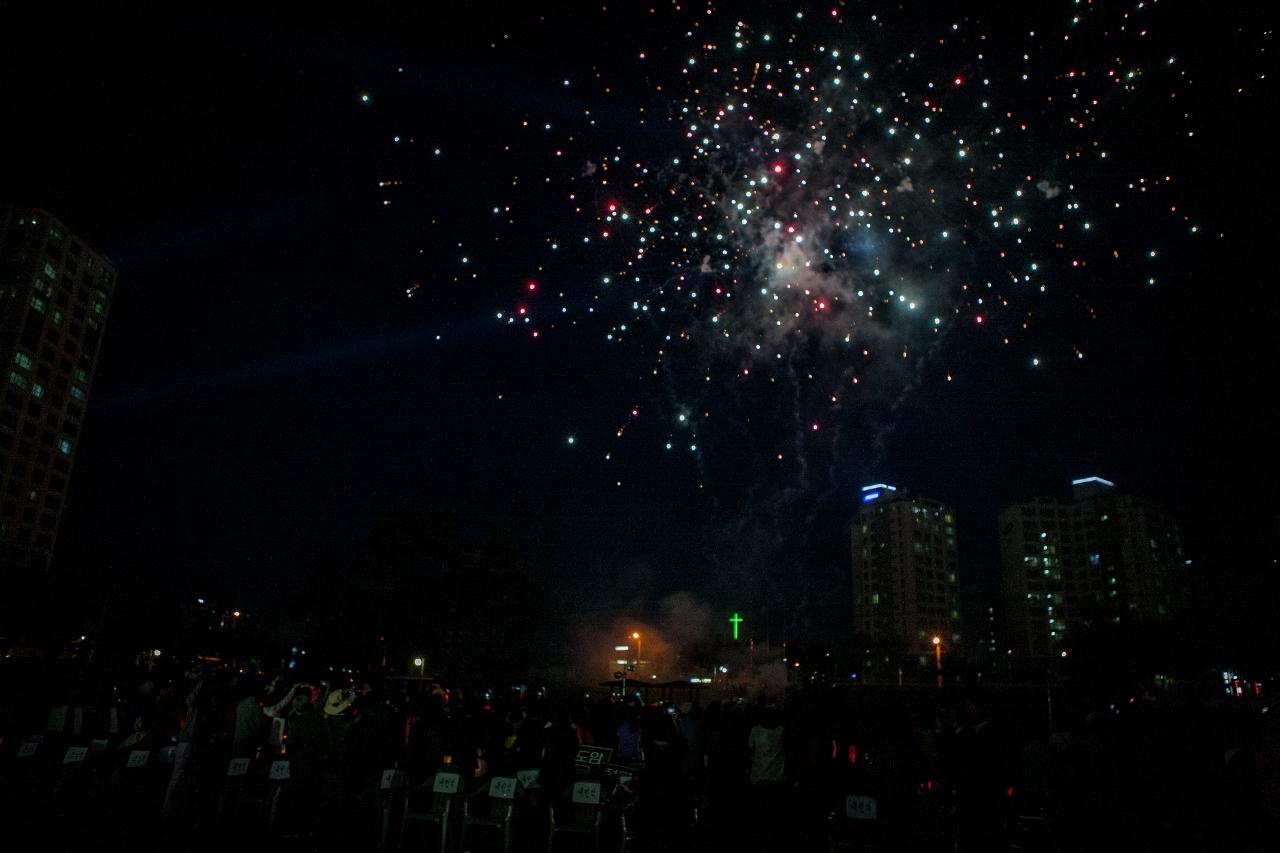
(735, 619)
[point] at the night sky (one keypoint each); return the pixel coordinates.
(295, 350)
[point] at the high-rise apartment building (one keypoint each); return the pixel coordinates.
(905, 578)
(1103, 557)
(55, 293)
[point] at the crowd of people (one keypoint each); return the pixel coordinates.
(928, 770)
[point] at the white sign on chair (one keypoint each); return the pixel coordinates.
(502, 788)
(860, 808)
(447, 783)
(586, 792)
(392, 779)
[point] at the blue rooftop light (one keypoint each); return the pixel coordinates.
(1083, 480)
(879, 486)
(869, 497)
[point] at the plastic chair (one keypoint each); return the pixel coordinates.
(529, 803)
(583, 815)
(858, 827)
(500, 795)
(232, 794)
(136, 778)
(442, 793)
(1032, 832)
(73, 786)
(626, 833)
(389, 795)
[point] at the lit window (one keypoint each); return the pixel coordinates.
(82, 375)
(57, 318)
(78, 393)
(49, 271)
(37, 390)
(22, 359)
(55, 234)
(99, 309)
(65, 446)
(37, 303)
(18, 379)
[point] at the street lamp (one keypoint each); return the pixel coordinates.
(420, 663)
(937, 654)
(635, 635)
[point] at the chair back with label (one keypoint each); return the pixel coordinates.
(492, 806)
(855, 825)
(433, 802)
(581, 815)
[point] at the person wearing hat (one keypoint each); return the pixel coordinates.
(340, 784)
(340, 724)
(307, 748)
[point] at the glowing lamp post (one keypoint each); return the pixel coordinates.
(937, 654)
(635, 635)
(421, 664)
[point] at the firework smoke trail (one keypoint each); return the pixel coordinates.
(790, 223)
